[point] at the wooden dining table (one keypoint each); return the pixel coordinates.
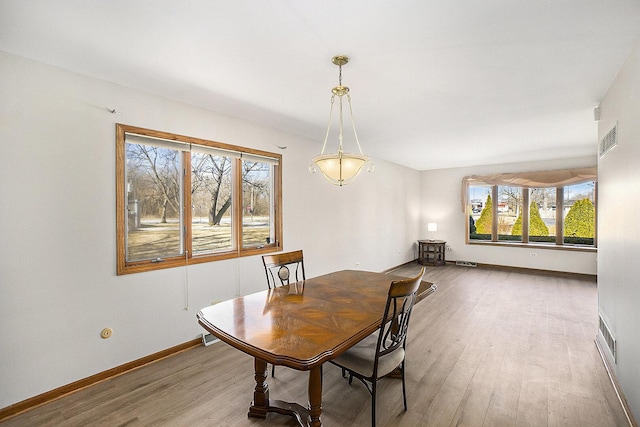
(301, 326)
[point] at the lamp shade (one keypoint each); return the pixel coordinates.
(340, 168)
(432, 226)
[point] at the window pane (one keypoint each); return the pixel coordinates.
(211, 200)
(480, 215)
(542, 215)
(257, 204)
(509, 210)
(579, 214)
(153, 197)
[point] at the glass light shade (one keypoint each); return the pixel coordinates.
(432, 226)
(340, 168)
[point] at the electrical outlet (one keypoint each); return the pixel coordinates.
(449, 249)
(533, 254)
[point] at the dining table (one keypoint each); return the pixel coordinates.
(301, 325)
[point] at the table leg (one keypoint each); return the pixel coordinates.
(260, 405)
(315, 396)
(306, 417)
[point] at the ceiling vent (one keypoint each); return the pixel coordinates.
(609, 141)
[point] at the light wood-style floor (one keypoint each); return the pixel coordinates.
(489, 348)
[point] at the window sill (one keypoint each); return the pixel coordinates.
(551, 246)
(147, 265)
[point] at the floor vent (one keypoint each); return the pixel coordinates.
(609, 141)
(467, 263)
(208, 339)
(606, 334)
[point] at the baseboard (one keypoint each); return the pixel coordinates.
(389, 270)
(581, 276)
(49, 396)
(616, 385)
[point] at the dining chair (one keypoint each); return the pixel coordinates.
(278, 268)
(384, 351)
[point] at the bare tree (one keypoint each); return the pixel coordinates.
(157, 173)
(256, 185)
(544, 197)
(513, 196)
(211, 178)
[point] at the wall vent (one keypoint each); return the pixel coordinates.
(609, 141)
(608, 338)
(467, 263)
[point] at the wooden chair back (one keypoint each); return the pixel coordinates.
(284, 268)
(395, 324)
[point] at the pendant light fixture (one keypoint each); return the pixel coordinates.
(340, 168)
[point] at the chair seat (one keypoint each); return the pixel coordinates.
(360, 358)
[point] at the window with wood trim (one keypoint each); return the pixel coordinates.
(540, 208)
(183, 200)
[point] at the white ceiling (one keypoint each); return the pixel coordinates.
(433, 84)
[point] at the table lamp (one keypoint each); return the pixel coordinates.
(432, 227)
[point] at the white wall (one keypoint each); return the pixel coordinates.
(57, 225)
(619, 225)
(441, 194)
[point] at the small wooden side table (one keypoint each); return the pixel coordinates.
(431, 252)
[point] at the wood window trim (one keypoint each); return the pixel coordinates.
(127, 267)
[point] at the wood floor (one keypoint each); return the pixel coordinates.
(489, 348)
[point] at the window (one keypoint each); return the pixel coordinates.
(481, 215)
(560, 208)
(542, 215)
(509, 208)
(228, 205)
(579, 214)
